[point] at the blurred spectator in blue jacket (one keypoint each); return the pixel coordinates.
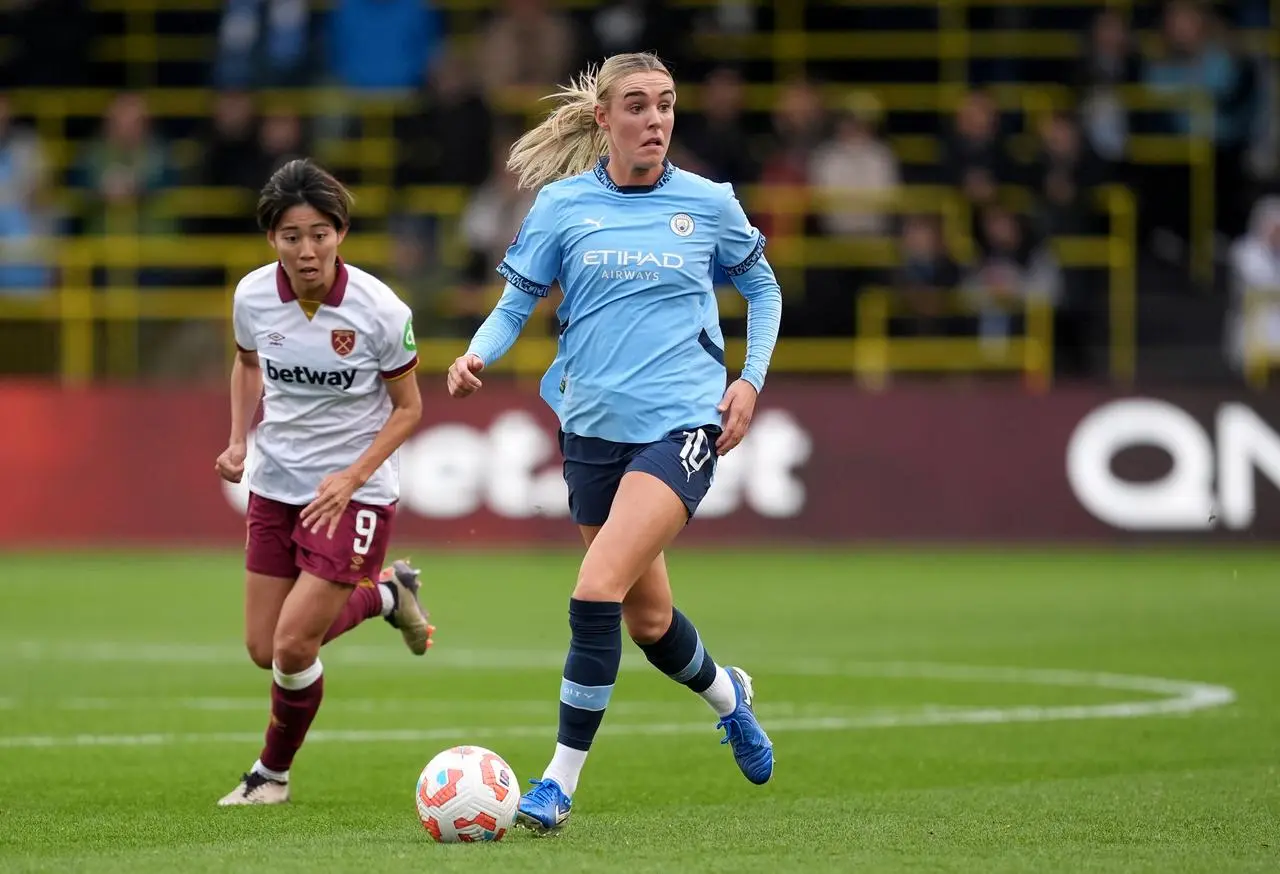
(22, 221)
(383, 44)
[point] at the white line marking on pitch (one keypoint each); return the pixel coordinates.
(507, 660)
(1179, 697)
(530, 707)
(1203, 697)
(541, 660)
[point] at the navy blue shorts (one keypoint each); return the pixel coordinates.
(685, 460)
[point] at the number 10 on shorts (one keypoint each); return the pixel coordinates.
(695, 453)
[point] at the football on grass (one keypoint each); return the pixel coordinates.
(467, 794)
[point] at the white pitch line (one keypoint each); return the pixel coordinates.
(508, 660)
(1178, 697)
(532, 707)
(544, 660)
(1203, 696)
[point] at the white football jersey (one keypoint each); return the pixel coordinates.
(324, 397)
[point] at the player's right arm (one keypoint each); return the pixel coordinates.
(246, 392)
(531, 265)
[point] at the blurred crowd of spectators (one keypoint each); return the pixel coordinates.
(456, 136)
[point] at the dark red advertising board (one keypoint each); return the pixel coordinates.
(827, 463)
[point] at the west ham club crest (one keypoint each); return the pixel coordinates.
(343, 340)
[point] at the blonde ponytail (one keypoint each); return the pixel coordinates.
(568, 141)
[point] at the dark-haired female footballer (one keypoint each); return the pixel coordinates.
(330, 351)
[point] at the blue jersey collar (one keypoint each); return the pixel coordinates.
(668, 169)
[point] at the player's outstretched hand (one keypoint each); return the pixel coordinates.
(462, 379)
(738, 406)
(230, 464)
(330, 502)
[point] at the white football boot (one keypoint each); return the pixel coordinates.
(256, 789)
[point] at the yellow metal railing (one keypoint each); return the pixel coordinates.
(1032, 353)
(56, 105)
(1194, 151)
(880, 354)
(448, 201)
(87, 316)
(375, 151)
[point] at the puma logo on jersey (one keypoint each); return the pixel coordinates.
(343, 379)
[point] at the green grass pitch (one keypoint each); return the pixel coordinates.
(936, 711)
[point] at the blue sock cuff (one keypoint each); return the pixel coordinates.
(594, 609)
(595, 615)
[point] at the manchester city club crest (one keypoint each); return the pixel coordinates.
(682, 224)
(343, 341)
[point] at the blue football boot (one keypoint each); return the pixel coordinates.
(752, 749)
(545, 808)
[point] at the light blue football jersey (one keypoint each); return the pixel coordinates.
(640, 351)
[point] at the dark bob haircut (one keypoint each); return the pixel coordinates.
(302, 183)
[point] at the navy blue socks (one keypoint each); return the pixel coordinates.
(680, 654)
(590, 670)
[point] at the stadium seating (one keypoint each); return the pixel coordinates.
(921, 55)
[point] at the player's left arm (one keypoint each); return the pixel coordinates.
(398, 362)
(406, 411)
(740, 251)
